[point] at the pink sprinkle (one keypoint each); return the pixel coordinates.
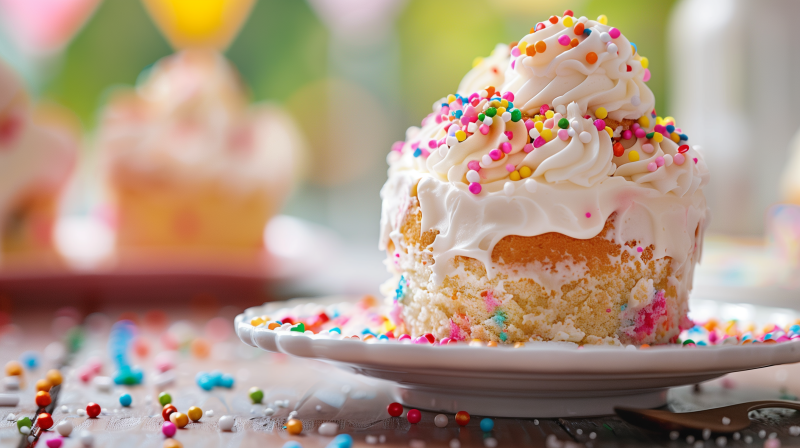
(678, 159)
(527, 148)
(639, 249)
(648, 148)
(447, 126)
(445, 341)
(614, 33)
(510, 168)
(659, 128)
(660, 161)
(515, 51)
(490, 301)
(438, 119)
(599, 124)
(652, 166)
(529, 124)
(640, 133)
(563, 134)
(403, 337)
(474, 188)
(508, 95)
(425, 153)
(695, 160)
(475, 101)
(433, 144)
(505, 147)
(474, 165)
(543, 109)
(588, 215)
(627, 134)
(635, 126)
(470, 112)
(539, 141)
(513, 63)
(495, 154)
(646, 76)
(509, 134)
(445, 110)
(484, 129)
(564, 40)
(549, 123)
(608, 310)
(455, 332)
(422, 340)
(464, 120)
(398, 146)
(443, 141)
(473, 96)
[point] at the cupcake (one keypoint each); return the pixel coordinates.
(36, 161)
(192, 165)
(555, 205)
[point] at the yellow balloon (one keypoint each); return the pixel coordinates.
(199, 23)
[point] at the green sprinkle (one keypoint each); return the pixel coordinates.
(688, 341)
(256, 395)
(650, 134)
(301, 328)
(503, 336)
(563, 123)
(516, 115)
(164, 398)
(491, 111)
(24, 421)
(481, 117)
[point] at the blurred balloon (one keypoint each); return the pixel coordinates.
(199, 23)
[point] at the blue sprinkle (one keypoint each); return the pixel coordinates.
(445, 105)
(794, 328)
(292, 444)
(670, 128)
(701, 343)
(503, 336)
(623, 307)
(510, 105)
(383, 337)
(458, 113)
(204, 381)
(30, 359)
(635, 48)
(487, 425)
(768, 336)
(684, 137)
(417, 152)
(367, 331)
(341, 441)
(336, 329)
(125, 400)
(226, 381)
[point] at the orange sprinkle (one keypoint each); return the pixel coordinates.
(541, 46)
(491, 344)
(578, 29)
(273, 325)
(554, 19)
(530, 50)
(490, 90)
(591, 57)
(573, 43)
(533, 30)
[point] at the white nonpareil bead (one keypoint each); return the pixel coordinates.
(612, 48)
(533, 133)
(486, 160)
(472, 127)
(585, 137)
(488, 121)
(530, 185)
(509, 188)
(605, 37)
(473, 176)
(506, 116)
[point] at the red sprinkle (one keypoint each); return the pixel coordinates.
(683, 148)
(553, 19)
(569, 13)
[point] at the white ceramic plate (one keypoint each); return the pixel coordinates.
(538, 380)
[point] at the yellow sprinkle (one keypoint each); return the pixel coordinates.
(476, 343)
(645, 62)
(522, 46)
(256, 321)
(658, 137)
(644, 121)
(602, 19)
(567, 21)
(414, 191)
(520, 344)
(675, 137)
(546, 134)
(539, 125)
(538, 118)
(600, 113)
(450, 98)
(669, 119)
(633, 49)
(477, 61)
(514, 175)
(461, 135)
(633, 156)
(491, 344)
(525, 172)
(501, 111)
(494, 103)
(610, 132)
(504, 103)
(659, 120)
(549, 114)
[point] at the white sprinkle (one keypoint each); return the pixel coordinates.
(690, 439)
(382, 439)
(483, 94)
(81, 412)
(473, 176)
(25, 430)
(486, 160)
(31, 438)
(612, 48)
(455, 443)
(762, 434)
(210, 413)
(530, 185)
(592, 435)
(706, 434)
(535, 421)
(64, 427)
(416, 443)
(725, 420)
(318, 408)
(451, 140)
(722, 441)
(441, 420)
(226, 422)
(585, 137)
(490, 442)
(472, 127)
(571, 132)
(372, 440)
(579, 431)
(635, 100)
(506, 116)
(488, 121)
(673, 435)
(534, 133)
(605, 37)
(794, 430)
(508, 189)
(11, 417)
(328, 429)
(583, 19)
(269, 411)
(667, 162)
(736, 436)
(64, 408)
(103, 383)
(253, 410)
(773, 435)
(293, 414)
(86, 438)
(748, 439)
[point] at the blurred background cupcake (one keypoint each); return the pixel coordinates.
(38, 149)
(190, 163)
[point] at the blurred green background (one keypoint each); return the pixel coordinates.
(290, 53)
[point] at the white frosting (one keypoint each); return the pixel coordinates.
(189, 122)
(33, 158)
(561, 75)
(576, 183)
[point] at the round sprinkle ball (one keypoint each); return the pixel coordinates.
(64, 427)
(167, 411)
(172, 443)
(44, 421)
(487, 425)
(194, 413)
(179, 419)
(395, 409)
(168, 429)
(86, 438)
(294, 426)
(24, 422)
(92, 410)
(328, 429)
(414, 416)
(43, 398)
(440, 421)
(256, 395)
(43, 384)
(125, 400)
(164, 398)
(226, 422)
(54, 376)
(342, 441)
(462, 418)
(13, 368)
(54, 442)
